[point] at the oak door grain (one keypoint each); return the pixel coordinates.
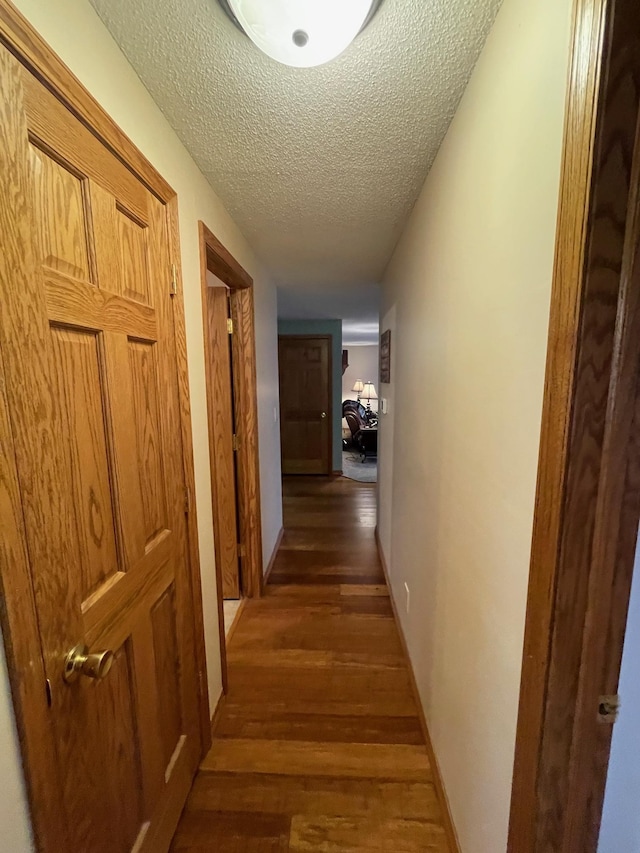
(88, 354)
(304, 364)
(587, 499)
(221, 431)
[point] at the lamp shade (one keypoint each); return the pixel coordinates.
(302, 33)
(369, 391)
(358, 387)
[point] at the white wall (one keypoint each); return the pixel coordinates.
(363, 364)
(15, 830)
(469, 285)
(620, 830)
(75, 32)
(268, 419)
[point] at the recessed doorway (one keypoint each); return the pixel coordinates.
(230, 370)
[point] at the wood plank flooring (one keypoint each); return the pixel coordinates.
(318, 746)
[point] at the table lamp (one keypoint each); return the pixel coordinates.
(358, 388)
(369, 394)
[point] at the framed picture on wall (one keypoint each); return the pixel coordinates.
(385, 356)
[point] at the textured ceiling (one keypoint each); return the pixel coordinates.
(319, 167)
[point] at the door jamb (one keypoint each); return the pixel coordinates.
(24, 660)
(218, 260)
(329, 340)
(588, 490)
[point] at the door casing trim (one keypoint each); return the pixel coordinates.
(215, 257)
(588, 491)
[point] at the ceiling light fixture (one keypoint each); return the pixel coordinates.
(302, 33)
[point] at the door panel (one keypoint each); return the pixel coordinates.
(305, 404)
(163, 621)
(58, 199)
(135, 254)
(144, 385)
(76, 353)
(115, 826)
(48, 120)
(221, 427)
(89, 353)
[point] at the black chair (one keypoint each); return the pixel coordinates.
(363, 437)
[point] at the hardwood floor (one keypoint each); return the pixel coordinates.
(318, 745)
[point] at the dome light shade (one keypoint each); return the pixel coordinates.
(302, 33)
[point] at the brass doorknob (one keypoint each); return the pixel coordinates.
(323, 415)
(79, 662)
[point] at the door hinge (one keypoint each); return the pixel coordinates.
(174, 280)
(229, 325)
(187, 500)
(235, 442)
(242, 552)
(608, 709)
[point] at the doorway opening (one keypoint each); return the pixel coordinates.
(306, 410)
(230, 372)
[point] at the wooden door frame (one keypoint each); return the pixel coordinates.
(588, 491)
(19, 615)
(329, 339)
(215, 258)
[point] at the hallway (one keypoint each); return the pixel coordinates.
(318, 746)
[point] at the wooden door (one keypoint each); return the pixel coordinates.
(305, 404)
(88, 357)
(221, 440)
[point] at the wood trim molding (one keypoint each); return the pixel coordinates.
(217, 259)
(560, 371)
(189, 476)
(589, 397)
(453, 845)
(246, 408)
(222, 698)
(236, 620)
(17, 34)
(221, 262)
(272, 559)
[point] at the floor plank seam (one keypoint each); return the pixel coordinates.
(319, 746)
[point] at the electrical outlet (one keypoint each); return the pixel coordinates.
(407, 596)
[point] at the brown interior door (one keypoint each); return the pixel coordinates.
(88, 352)
(221, 430)
(305, 403)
